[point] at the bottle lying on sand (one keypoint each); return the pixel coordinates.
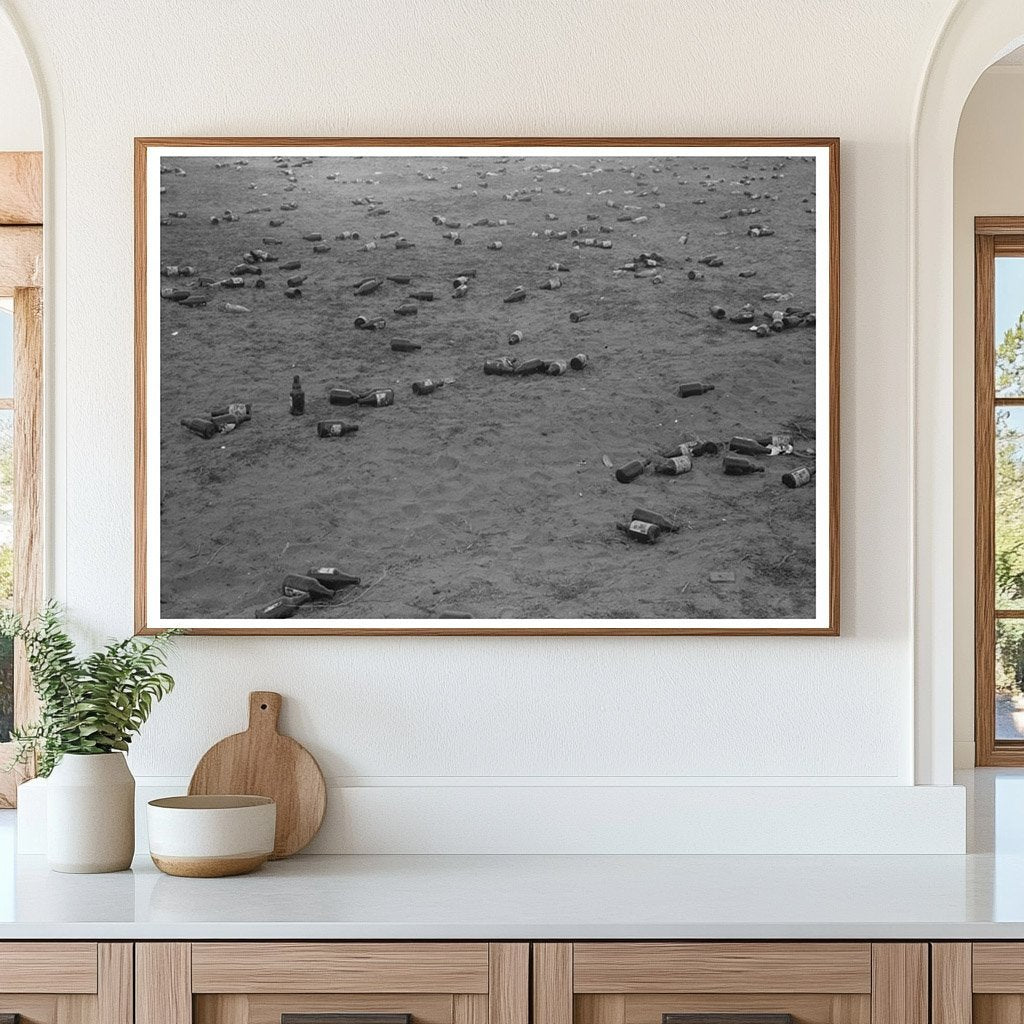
(740, 465)
(294, 282)
(342, 396)
(748, 446)
(637, 529)
(799, 477)
(515, 337)
(556, 367)
(368, 287)
(695, 275)
(579, 360)
(283, 607)
(552, 284)
(368, 323)
(576, 315)
(405, 345)
(674, 466)
(691, 388)
(428, 386)
(561, 268)
(399, 278)
(378, 397)
(407, 309)
(298, 398)
(531, 366)
(293, 293)
(174, 294)
(295, 583)
(234, 409)
(313, 236)
(226, 423)
(631, 470)
(461, 291)
(494, 245)
(292, 265)
(692, 448)
(335, 428)
(718, 312)
(332, 577)
(422, 296)
(500, 367)
(204, 428)
(645, 515)
(516, 295)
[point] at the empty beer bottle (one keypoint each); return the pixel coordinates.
(552, 284)
(516, 295)
(422, 296)
(748, 446)
(294, 282)
(295, 583)
(342, 396)
(718, 312)
(576, 315)
(291, 265)
(579, 360)
(283, 607)
(515, 337)
(298, 398)
(675, 465)
(407, 309)
(335, 428)
(427, 387)
(531, 366)
(799, 477)
(695, 275)
(378, 397)
(499, 367)
(405, 345)
(399, 278)
(367, 287)
(740, 465)
(637, 529)
(226, 423)
(691, 388)
(204, 428)
(332, 577)
(293, 293)
(631, 470)
(645, 515)
(556, 367)
(461, 291)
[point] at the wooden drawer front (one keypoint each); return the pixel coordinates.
(310, 967)
(268, 1009)
(54, 967)
(725, 967)
(998, 967)
(648, 1009)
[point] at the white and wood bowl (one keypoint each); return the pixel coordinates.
(211, 836)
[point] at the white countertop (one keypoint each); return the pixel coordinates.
(517, 897)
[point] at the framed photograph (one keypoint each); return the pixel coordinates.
(483, 385)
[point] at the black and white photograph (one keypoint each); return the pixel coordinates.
(471, 386)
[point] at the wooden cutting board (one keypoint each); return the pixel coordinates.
(262, 762)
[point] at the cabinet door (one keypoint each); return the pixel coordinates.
(730, 983)
(332, 983)
(978, 983)
(65, 983)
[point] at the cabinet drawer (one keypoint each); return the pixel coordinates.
(58, 967)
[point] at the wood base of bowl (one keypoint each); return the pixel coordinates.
(209, 867)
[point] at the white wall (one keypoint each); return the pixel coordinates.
(987, 181)
(692, 711)
(21, 126)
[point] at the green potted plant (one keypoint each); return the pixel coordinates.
(90, 708)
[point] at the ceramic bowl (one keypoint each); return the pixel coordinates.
(211, 836)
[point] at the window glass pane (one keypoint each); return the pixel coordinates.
(1009, 532)
(6, 352)
(1009, 679)
(6, 566)
(1009, 318)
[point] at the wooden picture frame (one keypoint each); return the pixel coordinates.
(818, 617)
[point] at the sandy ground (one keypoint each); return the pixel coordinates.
(490, 497)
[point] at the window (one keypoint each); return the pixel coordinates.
(999, 490)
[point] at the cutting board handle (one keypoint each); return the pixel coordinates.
(264, 710)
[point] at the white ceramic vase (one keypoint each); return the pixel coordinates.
(90, 814)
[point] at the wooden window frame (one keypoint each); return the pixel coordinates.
(21, 278)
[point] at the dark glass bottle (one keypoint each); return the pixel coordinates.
(332, 578)
(692, 388)
(500, 367)
(645, 515)
(335, 428)
(234, 409)
(427, 387)
(631, 470)
(342, 396)
(579, 360)
(296, 583)
(283, 607)
(799, 477)
(378, 398)
(748, 446)
(675, 465)
(524, 369)
(740, 465)
(204, 428)
(405, 345)
(298, 398)
(637, 529)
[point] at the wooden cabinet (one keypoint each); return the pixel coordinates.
(978, 983)
(307, 982)
(66, 982)
(752, 982)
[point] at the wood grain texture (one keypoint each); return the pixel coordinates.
(262, 762)
(899, 983)
(115, 995)
(599, 1009)
(163, 983)
(143, 625)
(466, 1009)
(951, 983)
(508, 993)
(727, 1018)
(21, 259)
(998, 967)
(816, 1008)
(552, 983)
(304, 967)
(269, 1008)
(31, 1009)
(346, 1018)
(633, 967)
(64, 967)
(998, 1009)
(21, 188)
